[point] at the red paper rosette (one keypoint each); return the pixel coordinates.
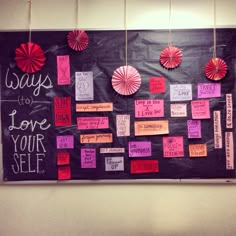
(171, 57)
(216, 69)
(77, 40)
(29, 57)
(126, 80)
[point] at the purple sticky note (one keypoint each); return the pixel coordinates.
(88, 158)
(208, 90)
(140, 149)
(194, 128)
(65, 141)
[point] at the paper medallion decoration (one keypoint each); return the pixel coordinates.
(29, 57)
(77, 40)
(126, 80)
(216, 69)
(171, 57)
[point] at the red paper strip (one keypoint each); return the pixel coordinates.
(64, 173)
(144, 166)
(63, 158)
(62, 111)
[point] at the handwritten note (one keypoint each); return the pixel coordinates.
(144, 166)
(157, 85)
(84, 86)
(197, 150)
(152, 127)
(94, 107)
(63, 70)
(194, 128)
(149, 108)
(62, 111)
(88, 157)
(140, 149)
(178, 110)
(97, 122)
(180, 92)
(64, 173)
(229, 111)
(65, 142)
(123, 125)
(229, 150)
(63, 158)
(208, 90)
(114, 163)
(217, 129)
(112, 150)
(96, 138)
(200, 109)
(173, 146)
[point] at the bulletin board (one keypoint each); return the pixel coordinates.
(84, 130)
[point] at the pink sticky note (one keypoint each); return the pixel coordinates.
(157, 85)
(194, 128)
(208, 90)
(88, 158)
(92, 122)
(64, 173)
(149, 108)
(140, 149)
(173, 146)
(200, 109)
(63, 70)
(65, 141)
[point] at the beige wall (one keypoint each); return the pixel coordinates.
(109, 210)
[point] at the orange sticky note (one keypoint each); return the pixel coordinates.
(197, 150)
(152, 127)
(96, 138)
(64, 173)
(94, 107)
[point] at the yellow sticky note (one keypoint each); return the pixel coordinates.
(197, 150)
(96, 138)
(153, 127)
(94, 107)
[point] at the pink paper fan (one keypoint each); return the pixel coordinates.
(126, 80)
(77, 40)
(216, 69)
(29, 57)
(171, 57)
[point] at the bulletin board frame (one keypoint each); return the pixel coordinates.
(109, 47)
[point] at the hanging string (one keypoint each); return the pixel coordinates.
(126, 34)
(170, 33)
(29, 19)
(214, 30)
(77, 14)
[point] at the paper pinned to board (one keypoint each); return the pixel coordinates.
(140, 148)
(65, 141)
(194, 129)
(173, 146)
(84, 86)
(229, 111)
(112, 150)
(144, 166)
(198, 150)
(63, 158)
(157, 85)
(217, 129)
(96, 122)
(63, 70)
(63, 173)
(178, 110)
(123, 125)
(88, 157)
(229, 150)
(208, 90)
(200, 109)
(180, 92)
(94, 107)
(96, 138)
(114, 163)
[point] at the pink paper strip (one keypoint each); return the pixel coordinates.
(63, 70)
